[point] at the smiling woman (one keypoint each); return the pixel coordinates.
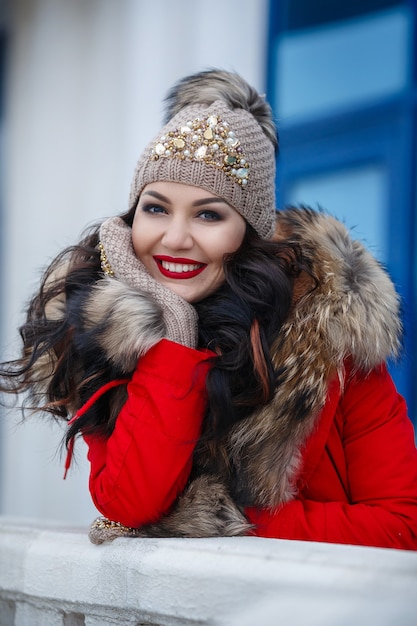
(182, 233)
(225, 364)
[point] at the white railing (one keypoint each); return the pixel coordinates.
(53, 576)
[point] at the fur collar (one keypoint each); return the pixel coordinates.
(355, 308)
(352, 313)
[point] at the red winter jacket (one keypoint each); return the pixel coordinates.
(358, 483)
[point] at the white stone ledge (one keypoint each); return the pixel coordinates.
(53, 576)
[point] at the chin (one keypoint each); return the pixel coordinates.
(189, 293)
(185, 294)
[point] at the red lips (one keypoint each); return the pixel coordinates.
(178, 268)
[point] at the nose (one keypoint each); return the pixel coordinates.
(177, 235)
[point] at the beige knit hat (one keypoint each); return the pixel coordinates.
(221, 149)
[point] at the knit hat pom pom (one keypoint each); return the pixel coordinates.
(211, 85)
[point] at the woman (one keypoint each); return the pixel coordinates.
(225, 365)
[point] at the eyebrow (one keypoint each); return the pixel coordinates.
(200, 202)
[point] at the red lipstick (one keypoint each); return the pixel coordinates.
(178, 267)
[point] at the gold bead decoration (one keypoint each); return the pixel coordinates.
(209, 140)
(104, 262)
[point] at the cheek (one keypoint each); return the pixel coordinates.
(231, 239)
(219, 246)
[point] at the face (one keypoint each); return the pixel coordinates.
(181, 234)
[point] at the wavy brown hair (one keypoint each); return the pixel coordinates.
(241, 321)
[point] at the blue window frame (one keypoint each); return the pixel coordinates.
(353, 152)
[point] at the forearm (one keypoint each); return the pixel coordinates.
(137, 473)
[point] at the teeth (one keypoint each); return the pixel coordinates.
(180, 267)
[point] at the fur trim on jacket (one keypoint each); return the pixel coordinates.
(350, 314)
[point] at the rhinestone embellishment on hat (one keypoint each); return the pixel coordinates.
(209, 140)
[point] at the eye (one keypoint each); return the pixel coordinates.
(154, 209)
(210, 216)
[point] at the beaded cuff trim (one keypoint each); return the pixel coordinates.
(208, 140)
(103, 529)
(102, 523)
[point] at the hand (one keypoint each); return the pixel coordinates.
(119, 259)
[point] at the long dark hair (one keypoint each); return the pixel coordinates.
(48, 370)
(59, 370)
(241, 321)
